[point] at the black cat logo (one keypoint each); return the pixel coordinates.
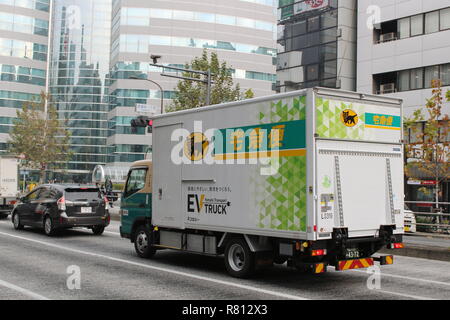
(349, 118)
(196, 146)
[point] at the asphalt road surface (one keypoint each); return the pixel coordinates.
(33, 266)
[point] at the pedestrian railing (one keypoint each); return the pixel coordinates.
(436, 222)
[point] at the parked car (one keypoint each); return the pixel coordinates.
(410, 221)
(55, 207)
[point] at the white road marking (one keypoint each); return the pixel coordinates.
(23, 291)
(179, 273)
(383, 274)
(404, 295)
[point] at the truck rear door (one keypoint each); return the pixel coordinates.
(359, 186)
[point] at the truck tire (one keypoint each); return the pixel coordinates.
(239, 260)
(98, 230)
(49, 229)
(142, 243)
(16, 222)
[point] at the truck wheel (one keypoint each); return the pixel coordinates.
(16, 222)
(239, 260)
(142, 243)
(98, 230)
(48, 226)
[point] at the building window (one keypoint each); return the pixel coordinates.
(445, 74)
(417, 79)
(445, 19)
(403, 82)
(417, 25)
(312, 72)
(404, 27)
(313, 24)
(432, 22)
(431, 73)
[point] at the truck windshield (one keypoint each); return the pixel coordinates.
(89, 194)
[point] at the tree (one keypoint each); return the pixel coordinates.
(431, 151)
(191, 94)
(39, 137)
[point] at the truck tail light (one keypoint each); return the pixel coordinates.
(397, 246)
(319, 253)
(62, 204)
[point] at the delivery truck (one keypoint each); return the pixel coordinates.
(313, 178)
(9, 184)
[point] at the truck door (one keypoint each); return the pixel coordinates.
(136, 200)
(167, 184)
(360, 187)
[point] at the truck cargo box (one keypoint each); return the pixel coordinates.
(297, 165)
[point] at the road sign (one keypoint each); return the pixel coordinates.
(146, 108)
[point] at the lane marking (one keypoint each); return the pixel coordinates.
(404, 295)
(23, 291)
(179, 273)
(408, 278)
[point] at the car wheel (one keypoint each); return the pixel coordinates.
(142, 243)
(48, 226)
(239, 260)
(16, 222)
(98, 230)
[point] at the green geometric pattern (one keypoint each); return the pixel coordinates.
(284, 111)
(281, 198)
(329, 124)
(283, 205)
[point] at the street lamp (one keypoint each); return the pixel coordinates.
(159, 86)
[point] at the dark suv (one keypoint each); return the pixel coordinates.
(54, 207)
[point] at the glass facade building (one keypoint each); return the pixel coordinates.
(83, 52)
(79, 80)
(241, 32)
(23, 58)
(315, 46)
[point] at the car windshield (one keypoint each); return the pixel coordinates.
(81, 194)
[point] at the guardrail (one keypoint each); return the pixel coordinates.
(439, 221)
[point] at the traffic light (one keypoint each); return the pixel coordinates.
(142, 122)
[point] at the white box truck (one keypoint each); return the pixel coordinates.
(9, 184)
(313, 178)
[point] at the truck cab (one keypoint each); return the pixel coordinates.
(136, 203)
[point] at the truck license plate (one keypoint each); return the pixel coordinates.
(86, 210)
(352, 254)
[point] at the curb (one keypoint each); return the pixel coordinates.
(433, 253)
(428, 235)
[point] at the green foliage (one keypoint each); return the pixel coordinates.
(192, 94)
(40, 137)
(432, 149)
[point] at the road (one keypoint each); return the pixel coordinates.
(33, 266)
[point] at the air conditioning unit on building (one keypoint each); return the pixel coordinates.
(387, 88)
(388, 37)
